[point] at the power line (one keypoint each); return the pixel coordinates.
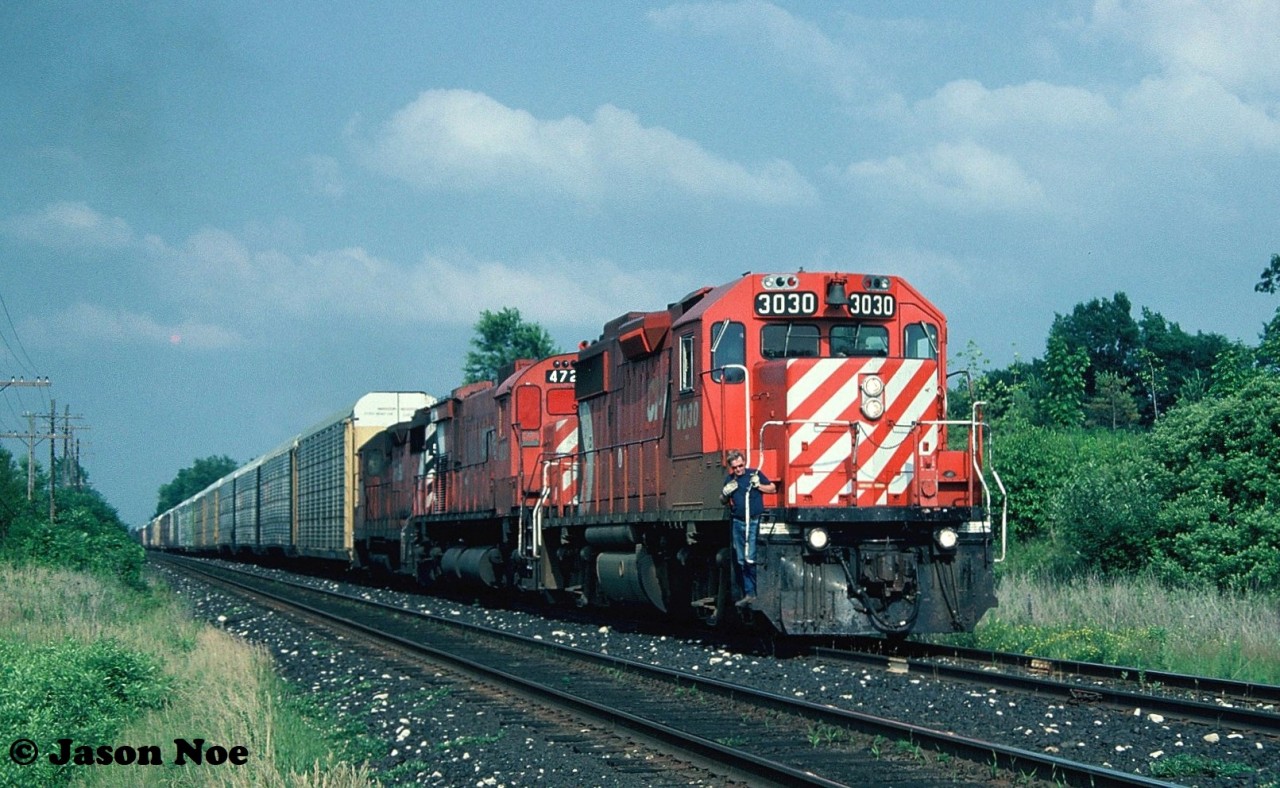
(16, 338)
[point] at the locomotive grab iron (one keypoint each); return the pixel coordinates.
(594, 477)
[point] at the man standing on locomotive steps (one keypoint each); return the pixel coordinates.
(742, 491)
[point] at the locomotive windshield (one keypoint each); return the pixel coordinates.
(789, 340)
(859, 339)
(805, 340)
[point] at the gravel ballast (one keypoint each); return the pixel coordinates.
(435, 735)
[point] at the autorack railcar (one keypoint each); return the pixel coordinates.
(297, 500)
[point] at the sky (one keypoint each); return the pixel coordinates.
(223, 222)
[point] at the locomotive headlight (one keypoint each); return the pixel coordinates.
(872, 408)
(872, 386)
(947, 538)
(817, 539)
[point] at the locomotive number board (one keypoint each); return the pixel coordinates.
(562, 375)
(880, 306)
(799, 303)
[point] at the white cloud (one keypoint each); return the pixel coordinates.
(1233, 42)
(964, 177)
(459, 139)
(800, 45)
(967, 106)
(83, 323)
(1196, 114)
(1215, 90)
(214, 269)
(558, 292)
(70, 225)
(217, 273)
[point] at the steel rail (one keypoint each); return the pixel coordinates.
(1048, 767)
(726, 758)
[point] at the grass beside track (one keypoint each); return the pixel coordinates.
(1137, 622)
(88, 659)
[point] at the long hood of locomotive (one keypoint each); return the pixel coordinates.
(832, 453)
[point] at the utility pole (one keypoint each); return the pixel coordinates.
(53, 428)
(70, 475)
(30, 436)
(70, 465)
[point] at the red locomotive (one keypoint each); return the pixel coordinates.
(596, 477)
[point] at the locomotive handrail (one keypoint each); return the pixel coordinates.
(746, 420)
(975, 425)
(591, 495)
(986, 491)
(548, 459)
(819, 422)
(535, 517)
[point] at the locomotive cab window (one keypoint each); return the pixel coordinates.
(686, 363)
(922, 340)
(859, 339)
(789, 340)
(728, 347)
(561, 402)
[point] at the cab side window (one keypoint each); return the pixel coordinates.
(686, 363)
(728, 347)
(922, 340)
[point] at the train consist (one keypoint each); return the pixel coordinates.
(594, 478)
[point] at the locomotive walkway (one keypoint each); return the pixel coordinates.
(736, 732)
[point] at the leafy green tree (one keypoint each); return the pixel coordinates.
(501, 338)
(1170, 357)
(1233, 368)
(1033, 462)
(1268, 352)
(1194, 388)
(1106, 332)
(13, 493)
(1216, 462)
(1112, 405)
(1104, 518)
(189, 481)
(1270, 279)
(1064, 373)
(87, 533)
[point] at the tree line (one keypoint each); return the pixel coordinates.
(1132, 445)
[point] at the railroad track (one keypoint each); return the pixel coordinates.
(744, 733)
(1240, 705)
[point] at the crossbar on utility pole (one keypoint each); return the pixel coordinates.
(31, 437)
(20, 382)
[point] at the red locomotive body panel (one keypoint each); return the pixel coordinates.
(622, 399)
(490, 438)
(393, 466)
